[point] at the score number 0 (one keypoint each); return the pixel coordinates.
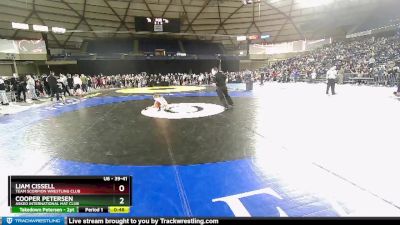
(121, 188)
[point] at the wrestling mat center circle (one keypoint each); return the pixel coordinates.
(184, 111)
(162, 89)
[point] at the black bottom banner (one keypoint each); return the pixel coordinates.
(200, 221)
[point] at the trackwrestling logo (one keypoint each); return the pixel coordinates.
(33, 220)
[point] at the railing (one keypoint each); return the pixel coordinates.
(351, 78)
(143, 56)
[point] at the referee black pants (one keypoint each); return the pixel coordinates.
(224, 96)
(20, 90)
(54, 90)
(331, 85)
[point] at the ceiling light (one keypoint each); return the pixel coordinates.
(241, 38)
(22, 26)
(58, 30)
(40, 28)
(265, 36)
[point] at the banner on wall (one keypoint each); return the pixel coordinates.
(31, 46)
(19, 48)
(8, 46)
(288, 47)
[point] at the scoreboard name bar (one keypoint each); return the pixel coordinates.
(76, 191)
(68, 178)
(69, 209)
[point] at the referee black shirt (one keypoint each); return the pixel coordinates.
(220, 79)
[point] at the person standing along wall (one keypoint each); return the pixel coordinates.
(39, 88)
(85, 82)
(313, 76)
(3, 96)
(30, 85)
(397, 93)
(341, 75)
(46, 85)
(52, 81)
(262, 77)
(60, 89)
(64, 80)
(14, 87)
(70, 84)
(21, 88)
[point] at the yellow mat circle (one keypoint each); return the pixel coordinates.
(163, 89)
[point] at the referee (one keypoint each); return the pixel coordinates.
(331, 78)
(222, 90)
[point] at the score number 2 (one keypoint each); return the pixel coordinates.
(121, 188)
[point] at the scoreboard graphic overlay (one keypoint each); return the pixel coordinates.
(70, 194)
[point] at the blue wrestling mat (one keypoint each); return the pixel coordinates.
(178, 168)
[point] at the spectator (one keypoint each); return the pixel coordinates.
(21, 88)
(85, 82)
(39, 88)
(3, 96)
(46, 84)
(30, 86)
(65, 88)
(341, 75)
(313, 76)
(70, 83)
(60, 89)
(52, 81)
(14, 87)
(77, 83)
(398, 82)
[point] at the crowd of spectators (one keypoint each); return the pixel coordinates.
(375, 58)
(26, 87)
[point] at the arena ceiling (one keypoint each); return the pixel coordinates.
(217, 20)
